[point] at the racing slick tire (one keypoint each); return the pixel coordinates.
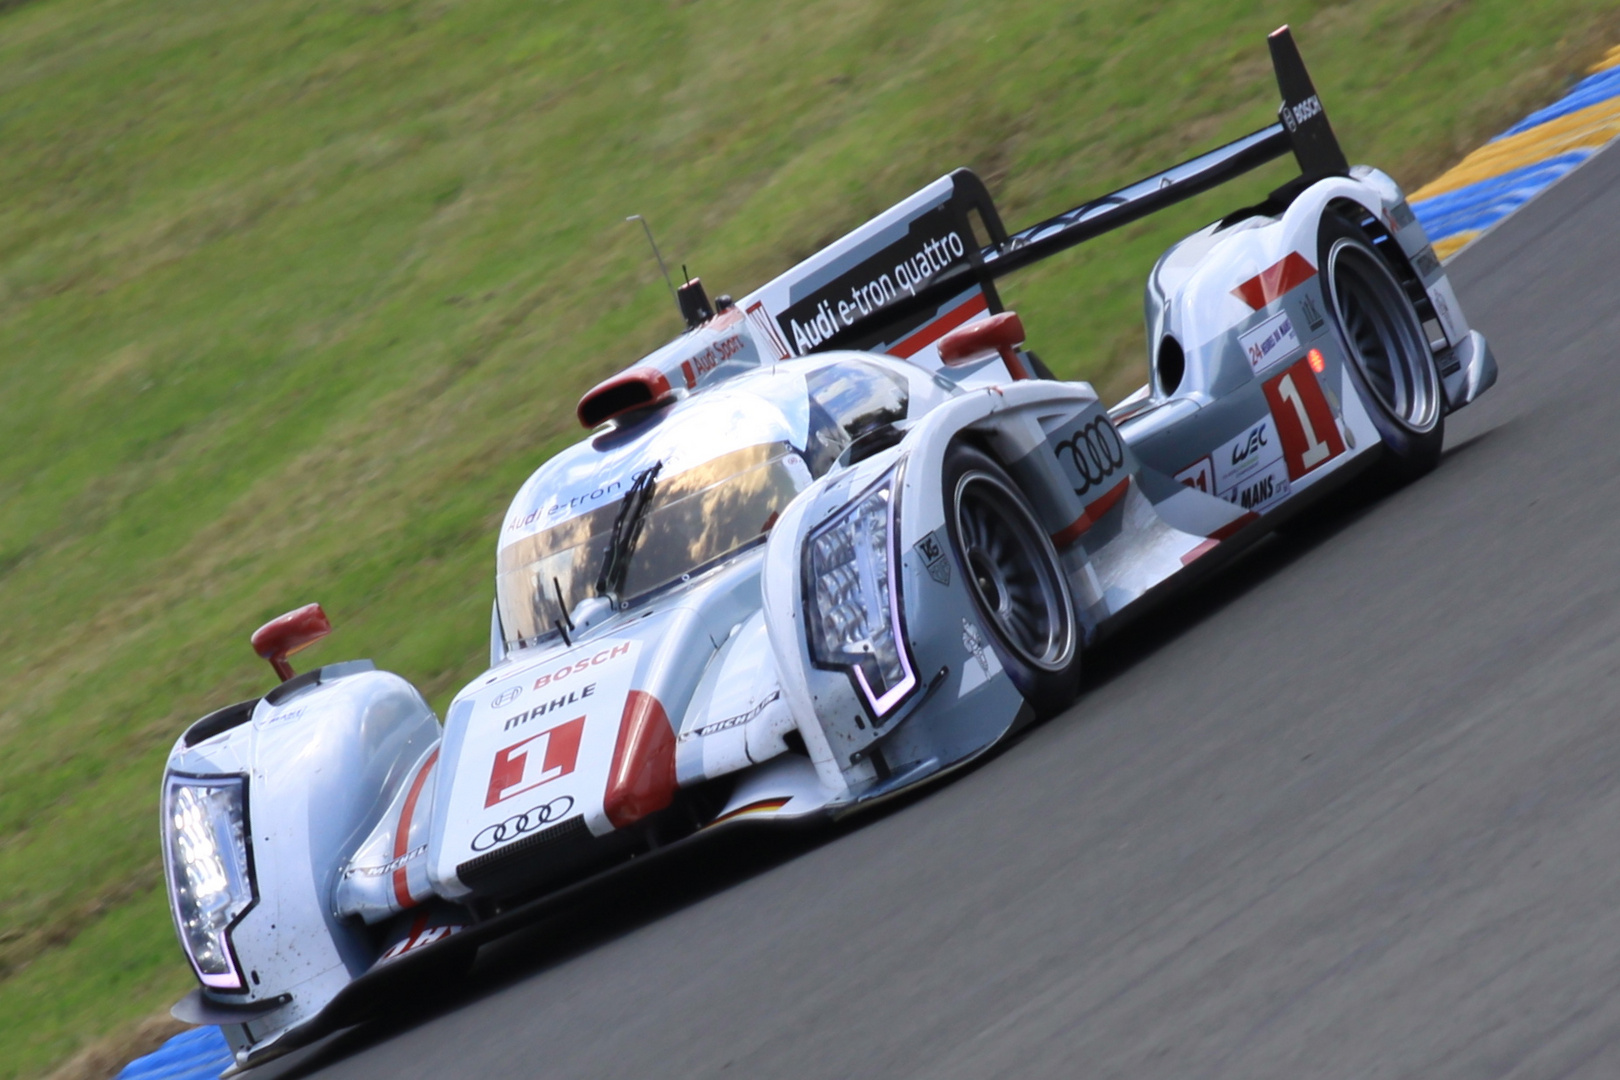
(1390, 360)
(1014, 577)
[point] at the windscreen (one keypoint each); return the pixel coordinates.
(692, 518)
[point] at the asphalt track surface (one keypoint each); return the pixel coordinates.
(1351, 810)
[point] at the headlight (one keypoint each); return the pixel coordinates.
(853, 597)
(210, 867)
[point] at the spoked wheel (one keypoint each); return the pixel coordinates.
(1015, 579)
(1389, 352)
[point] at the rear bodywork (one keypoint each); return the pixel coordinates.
(634, 703)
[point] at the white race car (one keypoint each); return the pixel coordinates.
(838, 538)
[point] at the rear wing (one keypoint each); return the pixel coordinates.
(912, 274)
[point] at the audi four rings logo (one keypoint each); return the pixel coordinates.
(528, 821)
(1095, 451)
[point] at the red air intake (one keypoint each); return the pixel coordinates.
(638, 388)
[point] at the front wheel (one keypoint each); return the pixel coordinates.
(1390, 359)
(1015, 579)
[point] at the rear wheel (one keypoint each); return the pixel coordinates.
(1390, 359)
(1015, 579)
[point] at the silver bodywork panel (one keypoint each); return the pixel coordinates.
(376, 833)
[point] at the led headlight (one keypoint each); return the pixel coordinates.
(210, 866)
(853, 597)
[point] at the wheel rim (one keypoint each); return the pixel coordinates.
(1011, 568)
(1386, 342)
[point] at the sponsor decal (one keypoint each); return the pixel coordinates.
(284, 716)
(694, 368)
(1295, 115)
(1401, 214)
(931, 246)
(932, 553)
(973, 642)
(421, 935)
(1236, 460)
(1443, 309)
(573, 697)
(1269, 342)
(1200, 476)
(1305, 423)
(1426, 263)
(1261, 491)
(1313, 314)
(569, 506)
(601, 657)
(732, 721)
(1247, 471)
(1093, 453)
(558, 750)
(397, 863)
(984, 664)
(764, 327)
(526, 822)
(506, 697)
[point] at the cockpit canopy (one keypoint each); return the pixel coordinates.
(728, 461)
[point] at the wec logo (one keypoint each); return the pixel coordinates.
(513, 772)
(1246, 448)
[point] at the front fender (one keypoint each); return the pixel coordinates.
(324, 757)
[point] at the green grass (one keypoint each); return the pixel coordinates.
(294, 293)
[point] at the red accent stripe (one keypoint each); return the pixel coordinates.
(1200, 551)
(753, 807)
(1231, 528)
(402, 836)
(1106, 502)
(1225, 532)
(1280, 277)
(1091, 514)
(941, 326)
(641, 779)
(1072, 531)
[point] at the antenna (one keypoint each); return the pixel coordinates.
(648, 229)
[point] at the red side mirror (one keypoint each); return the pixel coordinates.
(286, 634)
(1002, 333)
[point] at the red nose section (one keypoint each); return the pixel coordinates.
(1002, 333)
(642, 778)
(286, 634)
(625, 392)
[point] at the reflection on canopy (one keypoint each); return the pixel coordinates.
(693, 518)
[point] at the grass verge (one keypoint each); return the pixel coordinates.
(293, 294)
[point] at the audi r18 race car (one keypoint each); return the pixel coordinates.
(838, 538)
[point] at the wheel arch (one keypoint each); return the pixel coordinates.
(1382, 241)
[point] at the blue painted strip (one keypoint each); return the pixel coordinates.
(1478, 206)
(1483, 204)
(198, 1054)
(1589, 91)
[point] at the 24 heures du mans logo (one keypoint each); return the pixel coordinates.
(538, 759)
